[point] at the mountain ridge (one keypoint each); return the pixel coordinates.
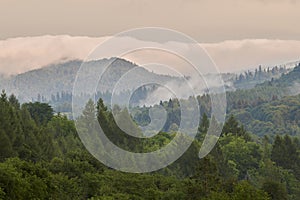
(60, 77)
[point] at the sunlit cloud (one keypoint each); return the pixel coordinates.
(18, 55)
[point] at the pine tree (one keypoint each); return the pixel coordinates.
(277, 154)
(233, 127)
(6, 149)
(203, 127)
(207, 175)
(3, 96)
(40, 112)
(14, 101)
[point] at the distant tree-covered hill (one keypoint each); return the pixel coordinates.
(267, 109)
(279, 116)
(58, 78)
(54, 84)
(250, 79)
(271, 107)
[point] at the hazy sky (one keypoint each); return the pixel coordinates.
(204, 20)
(238, 34)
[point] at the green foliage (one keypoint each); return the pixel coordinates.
(250, 79)
(242, 156)
(42, 157)
(5, 146)
(233, 127)
(40, 112)
(285, 153)
(275, 190)
(246, 191)
(203, 127)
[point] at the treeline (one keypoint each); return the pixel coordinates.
(249, 78)
(278, 115)
(62, 101)
(42, 157)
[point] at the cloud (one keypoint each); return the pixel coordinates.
(244, 54)
(18, 55)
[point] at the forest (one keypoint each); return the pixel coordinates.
(42, 157)
(256, 157)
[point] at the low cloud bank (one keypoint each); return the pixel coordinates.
(18, 55)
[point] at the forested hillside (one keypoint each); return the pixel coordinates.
(269, 108)
(257, 156)
(42, 84)
(53, 84)
(250, 79)
(42, 157)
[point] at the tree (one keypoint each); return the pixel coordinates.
(14, 101)
(203, 127)
(245, 191)
(6, 149)
(207, 176)
(3, 96)
(245, 155)
(275, 190)
(40, 112)
(233, 127)
(283, 147)
(103, 115)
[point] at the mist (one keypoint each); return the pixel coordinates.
(294, 89)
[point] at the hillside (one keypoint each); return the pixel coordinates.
(42, 157)
(250, 79)
(279, 116)
(59, 78)
(42, 151)
(269, 108)
(54, 84)
(286, 85)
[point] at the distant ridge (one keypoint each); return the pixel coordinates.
(60, 77)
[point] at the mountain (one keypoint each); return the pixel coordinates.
(58, 78)
(54, 83)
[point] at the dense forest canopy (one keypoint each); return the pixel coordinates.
(42, 157)
(256, 157)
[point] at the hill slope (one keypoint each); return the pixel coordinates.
(56, 78)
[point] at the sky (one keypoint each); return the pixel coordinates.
(238, 34)
(204, 20)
